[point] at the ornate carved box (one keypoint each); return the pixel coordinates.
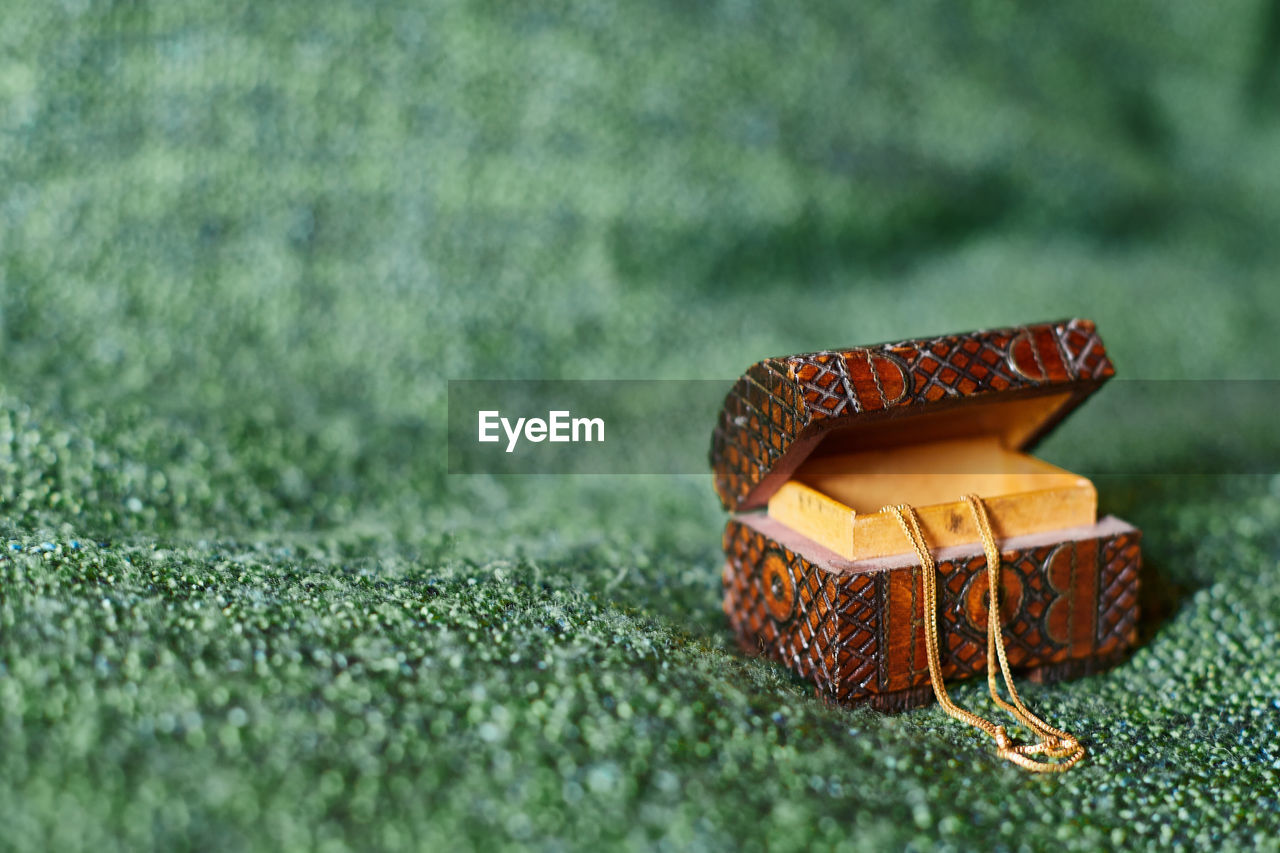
(807, 450)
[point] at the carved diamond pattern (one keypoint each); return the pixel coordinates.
(831, 637)
(824, 379)
(1083, 351)
(1118, 594)
(958, 366)
(760, 417)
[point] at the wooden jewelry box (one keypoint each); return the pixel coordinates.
(809, 448)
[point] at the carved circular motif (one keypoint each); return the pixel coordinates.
(974, 599)
(778, 586)
(1023, 357)
(892, 376)
(1059, 569)
(877, 379)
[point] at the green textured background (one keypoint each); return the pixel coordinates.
(242, 247)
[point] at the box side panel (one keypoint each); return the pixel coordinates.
(824, 626)
(1120, 564)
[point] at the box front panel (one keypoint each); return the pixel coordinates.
(860, 635)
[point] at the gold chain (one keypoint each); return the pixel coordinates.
(1053, 743)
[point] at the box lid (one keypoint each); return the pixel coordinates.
(1017, 383)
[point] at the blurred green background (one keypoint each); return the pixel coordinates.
(243, 246)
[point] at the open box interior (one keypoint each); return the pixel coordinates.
(931, 461)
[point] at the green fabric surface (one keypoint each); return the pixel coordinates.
(242, 247)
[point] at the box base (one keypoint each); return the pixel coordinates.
(923, 697)
(856, 629)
